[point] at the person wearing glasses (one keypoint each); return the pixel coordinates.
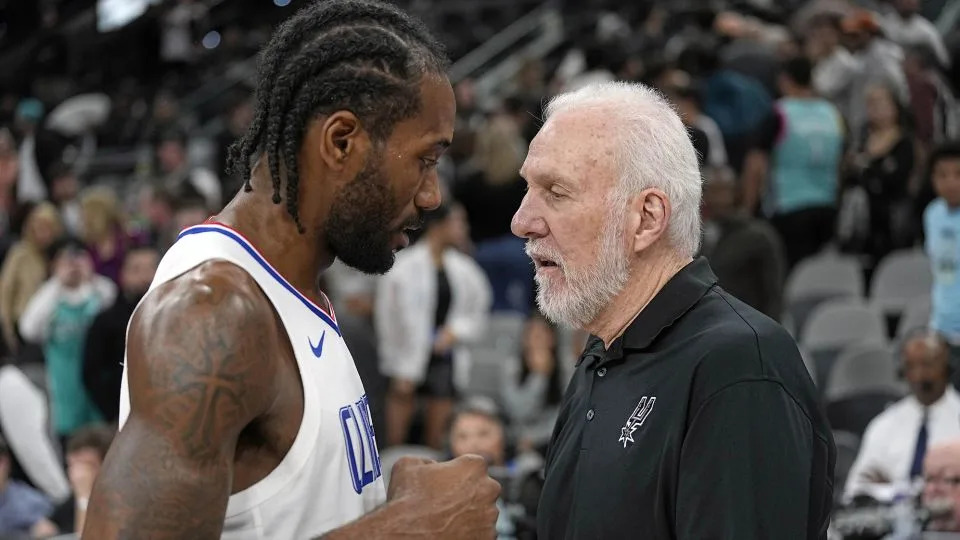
(941, 475)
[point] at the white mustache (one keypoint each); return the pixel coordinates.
(543, 252)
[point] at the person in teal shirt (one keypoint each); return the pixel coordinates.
(793, 170)
(941, 228)
(57, 317)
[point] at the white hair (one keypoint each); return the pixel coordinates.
(654, 151)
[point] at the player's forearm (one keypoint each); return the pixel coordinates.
(395, 519)
(145, 491)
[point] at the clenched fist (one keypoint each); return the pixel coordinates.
(450, 500)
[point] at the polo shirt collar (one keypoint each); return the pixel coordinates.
(677, 297)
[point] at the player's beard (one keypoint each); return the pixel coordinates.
(576, 298)
(358, 229)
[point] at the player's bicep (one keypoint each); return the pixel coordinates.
(197, 375)
(197, 369)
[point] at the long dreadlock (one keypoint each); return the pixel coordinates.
(364, 56)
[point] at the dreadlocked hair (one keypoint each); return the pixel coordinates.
(364, 56)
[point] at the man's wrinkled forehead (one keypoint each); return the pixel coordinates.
(578, 143)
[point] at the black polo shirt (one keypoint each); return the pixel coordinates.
(699, 422)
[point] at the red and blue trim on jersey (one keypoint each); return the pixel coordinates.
(247, 245)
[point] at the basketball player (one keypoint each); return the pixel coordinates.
(242, 413)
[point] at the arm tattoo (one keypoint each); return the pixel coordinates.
(197, 377)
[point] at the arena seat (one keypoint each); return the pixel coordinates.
(819, 279)
(863, 369)
(916, 315)
(837, 324)
(901, 277)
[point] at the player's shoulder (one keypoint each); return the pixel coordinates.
(212, 288)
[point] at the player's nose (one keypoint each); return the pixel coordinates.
(429, 196)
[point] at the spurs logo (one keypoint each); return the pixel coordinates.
(636, 419)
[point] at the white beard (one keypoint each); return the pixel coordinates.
(578, 297)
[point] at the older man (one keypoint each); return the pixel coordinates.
(941, 474)
(690, 414)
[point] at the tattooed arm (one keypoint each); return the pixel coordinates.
(197, 375)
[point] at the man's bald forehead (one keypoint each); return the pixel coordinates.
(926, 343)
(944, 454)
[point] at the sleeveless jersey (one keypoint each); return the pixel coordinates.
(331, 474)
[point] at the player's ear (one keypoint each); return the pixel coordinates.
(342, 139)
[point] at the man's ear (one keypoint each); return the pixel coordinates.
(649, 215)
(341, 137)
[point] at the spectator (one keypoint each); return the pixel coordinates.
(941, 475)
(433, 302)
(179, 177)
(908, 28)
(476, 428)
(941, 228)
(25, 269)
(878, 61)
(22, 508)
(834, 65)
(103, 231)
(795, 164)
(9, 172)
(236, 121)
(86, 450)
(104, 346)
(681, 91)
(531, 387)
(25, 422)
(490, 189)
(882, 164)
(745, 253)
(895, 442)
(187, 212)
(57, 317)
(933, 103)
(156, 216)
(64, 188)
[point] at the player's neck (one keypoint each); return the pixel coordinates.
(272, 231)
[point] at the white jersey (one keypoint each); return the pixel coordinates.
(331, 475)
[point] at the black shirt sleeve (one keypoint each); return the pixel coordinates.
(745, 466)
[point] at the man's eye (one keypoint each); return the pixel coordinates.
(428, 163)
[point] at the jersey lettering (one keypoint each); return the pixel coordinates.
(361, 443)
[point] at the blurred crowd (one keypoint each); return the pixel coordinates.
(821, 125)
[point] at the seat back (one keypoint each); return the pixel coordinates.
(901, 277)
(818, 279)
(863, 369)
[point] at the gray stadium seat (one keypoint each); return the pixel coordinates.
(818, 279)
(862, 369)
(504, 333)
(916, 315)
(900, 277)
(390, 456)
(837, 324)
